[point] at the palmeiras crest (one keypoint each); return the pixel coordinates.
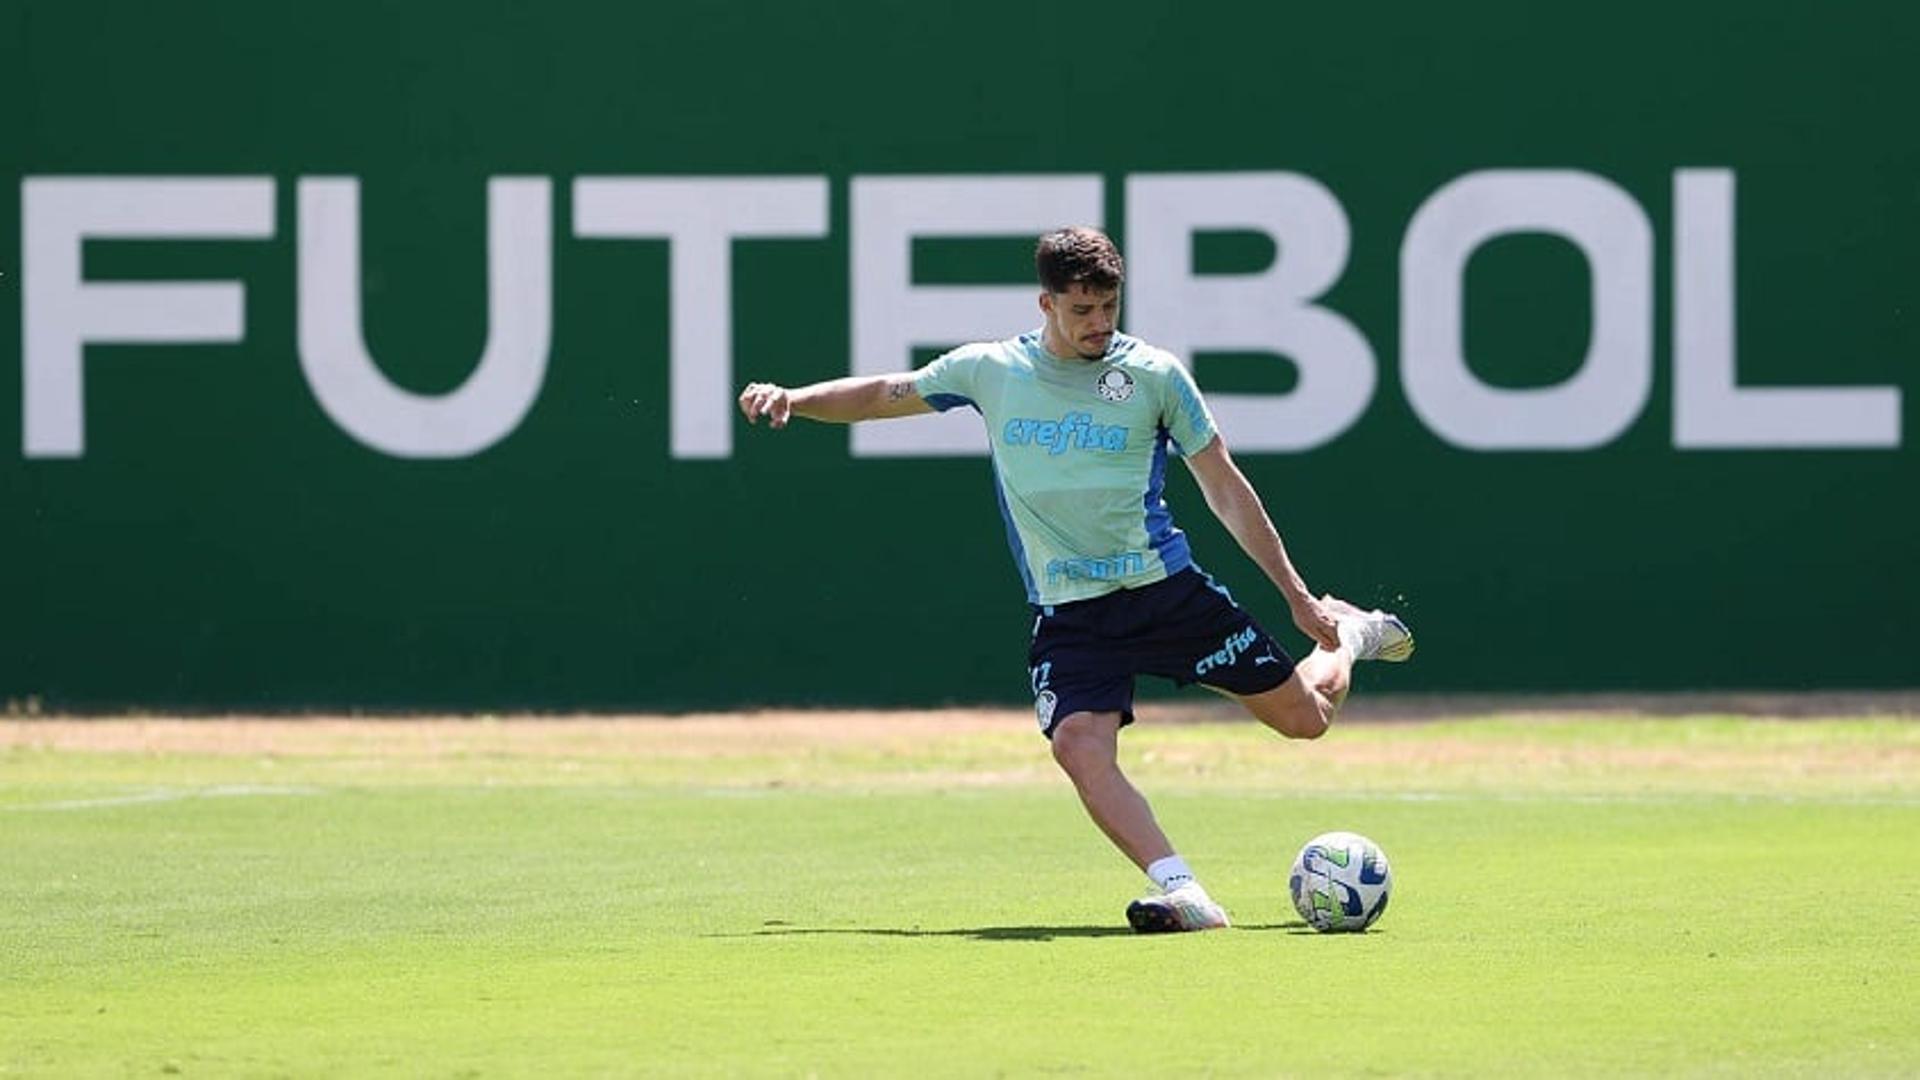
(1114, 384)
(1043, 705)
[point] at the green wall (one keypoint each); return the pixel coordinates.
(222, 543)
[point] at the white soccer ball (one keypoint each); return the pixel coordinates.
(1340, 881)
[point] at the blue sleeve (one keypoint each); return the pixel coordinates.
(1183, 412)
(949, 380)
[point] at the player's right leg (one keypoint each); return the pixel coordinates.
(1086, 746)
(1082, 672)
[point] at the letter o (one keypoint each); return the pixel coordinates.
(1600, 401)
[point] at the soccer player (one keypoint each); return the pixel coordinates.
(1080, 420)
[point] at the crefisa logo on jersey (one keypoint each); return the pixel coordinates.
(1074, 430)
(1114, 384)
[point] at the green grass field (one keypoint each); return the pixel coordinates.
(881, 896)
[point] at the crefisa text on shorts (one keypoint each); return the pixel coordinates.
(1168, 303)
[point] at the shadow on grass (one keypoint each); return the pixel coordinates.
(981, 933)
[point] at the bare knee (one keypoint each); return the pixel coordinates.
(1307, 720)
(1296, 715)
(1085, 742)
(1296, 711)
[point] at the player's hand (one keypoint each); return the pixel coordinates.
(1318, 620)
(765, 399)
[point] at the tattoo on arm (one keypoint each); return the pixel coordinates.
(899, 389)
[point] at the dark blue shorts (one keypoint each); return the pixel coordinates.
(1186, 628)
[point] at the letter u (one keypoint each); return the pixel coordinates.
(344, 377)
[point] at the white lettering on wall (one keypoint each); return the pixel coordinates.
(1272, 311)
(700, 218)
(1170, 303)
(1710, 409)
(892, 315)
(341, 371)
(1610, 390)
(62, 312)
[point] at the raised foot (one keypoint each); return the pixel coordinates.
(1372, 635)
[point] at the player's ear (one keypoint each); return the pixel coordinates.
(1046, 302)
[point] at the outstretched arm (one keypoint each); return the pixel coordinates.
(839, 401)
(1233, 500)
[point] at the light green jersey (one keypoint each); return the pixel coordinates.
(1080, 456)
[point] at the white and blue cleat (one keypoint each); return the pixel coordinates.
(1373, 635)
(1185, 908)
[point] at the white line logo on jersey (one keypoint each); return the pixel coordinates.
(1114, 385)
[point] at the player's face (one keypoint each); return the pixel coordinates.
(1081, 321)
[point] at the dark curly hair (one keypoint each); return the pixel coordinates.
(1078, 254)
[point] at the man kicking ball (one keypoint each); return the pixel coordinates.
(1081, 419)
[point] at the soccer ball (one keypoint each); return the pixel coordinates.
(1340, 882)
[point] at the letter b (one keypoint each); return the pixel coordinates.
(1271, 311)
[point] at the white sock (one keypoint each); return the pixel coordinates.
(1170, 873)
(1350, 636)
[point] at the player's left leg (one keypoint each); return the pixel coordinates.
(1303, 707)
(1212, 641)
